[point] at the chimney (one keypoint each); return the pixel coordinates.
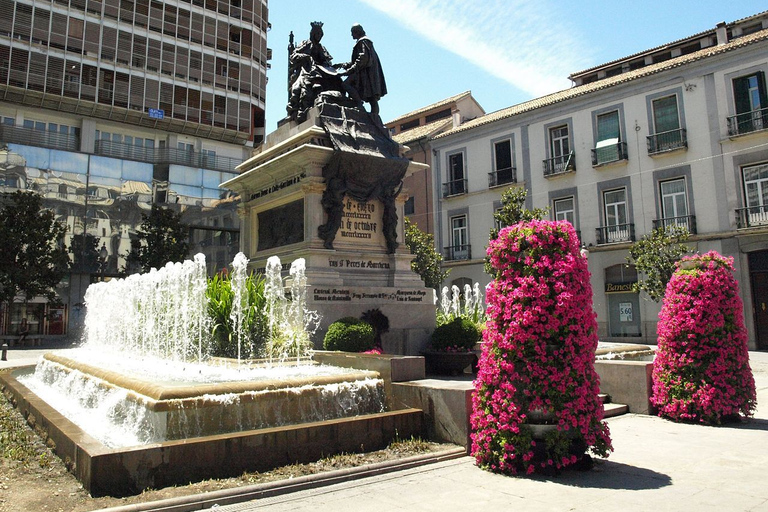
(722, 33)
(456, 115)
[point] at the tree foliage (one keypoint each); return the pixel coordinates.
(33, 259)
(428, 261)
(161, 238)
(512, 211)
(85, 253)
(654, 257)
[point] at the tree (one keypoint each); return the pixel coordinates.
(428, 261)
(33, 259)
(512, 211)
(654, 257)
(85, 253)
(161, 238)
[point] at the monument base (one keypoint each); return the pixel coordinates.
(330, 192)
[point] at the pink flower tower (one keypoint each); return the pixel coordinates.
(536, 405)
(701, 372)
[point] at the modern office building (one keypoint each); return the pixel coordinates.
(110, 106)
(677, 134)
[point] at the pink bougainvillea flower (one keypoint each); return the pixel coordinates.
(701, 372)
(538, 355)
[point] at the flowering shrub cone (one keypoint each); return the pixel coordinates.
(701, 371)
(538, 355)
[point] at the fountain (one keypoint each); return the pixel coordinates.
(143, 391)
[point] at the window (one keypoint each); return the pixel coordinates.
(616, 225)
(667, 134)
(756, 194)
(560, 152)
(751, 104)
(503, 171)
(607, 148)
(456, 182)
(409, 206)
(459, 249)
(623, 304)
(674, 203)
(565, 209)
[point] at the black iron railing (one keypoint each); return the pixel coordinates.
(502, 177)
(31, 137)
(457, 252)
(752, 216)
(454, 188)
(667, 141)
(611, 153)
(560, 164)
(616, 233)
(686, 221)
(748, 122)
(165, 156)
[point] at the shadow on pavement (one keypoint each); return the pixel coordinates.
(750, 424)
(615, 475)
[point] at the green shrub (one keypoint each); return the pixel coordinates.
(349, 334)
(458, 335)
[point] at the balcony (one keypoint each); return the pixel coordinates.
(124, 151)
(502, 177)
(44, 139)
(454, 188)
(748, 122)
(165, 156)
(615, 234)
(686, 221)
(667, 141)
(752, 216)
(560, 165)
(457, 253)
(614, 151)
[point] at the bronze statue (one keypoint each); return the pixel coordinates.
(310, 72)
(365, 80)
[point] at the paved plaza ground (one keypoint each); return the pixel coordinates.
(657, 465)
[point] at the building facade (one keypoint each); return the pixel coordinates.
(110, 106)
(414, 130)
(676, 135)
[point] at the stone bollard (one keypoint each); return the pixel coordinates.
(5, 352)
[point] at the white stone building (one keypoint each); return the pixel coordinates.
(674, 135)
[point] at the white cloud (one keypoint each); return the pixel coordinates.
(522, 42)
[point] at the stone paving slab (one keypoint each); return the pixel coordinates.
(657, 465)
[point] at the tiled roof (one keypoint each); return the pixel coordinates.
(657, 48)
(422, 131)
(440, 103)
(605, 83)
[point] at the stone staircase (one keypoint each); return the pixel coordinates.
(611, 409)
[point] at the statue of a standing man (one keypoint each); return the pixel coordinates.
(365, 80)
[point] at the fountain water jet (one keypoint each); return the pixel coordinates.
(146, 367)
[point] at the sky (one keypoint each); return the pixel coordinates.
(504, 51)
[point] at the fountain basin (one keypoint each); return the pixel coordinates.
(129, 470)
(163, 411)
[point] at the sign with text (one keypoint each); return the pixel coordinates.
(156, 113)
(373, 295)
(361, 222)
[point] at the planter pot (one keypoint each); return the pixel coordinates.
(448, 363)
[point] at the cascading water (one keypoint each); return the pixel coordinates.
(150, 334)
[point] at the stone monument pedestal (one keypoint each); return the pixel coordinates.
(287, 210)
